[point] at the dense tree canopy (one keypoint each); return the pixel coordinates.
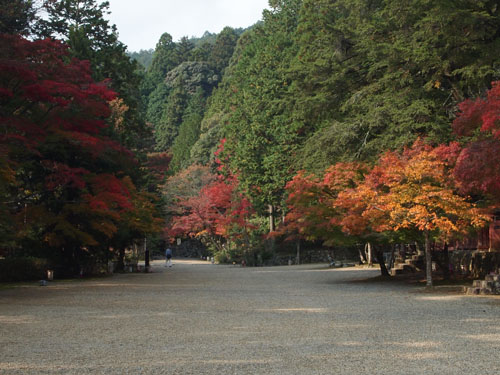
(82, 25)
(305, 116)
(478, 165)
(17, 16)
(64, 182)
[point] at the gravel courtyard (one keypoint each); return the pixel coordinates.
(199, 318)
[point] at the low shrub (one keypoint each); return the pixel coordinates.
(23, 269)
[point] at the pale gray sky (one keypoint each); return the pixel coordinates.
(141, 23)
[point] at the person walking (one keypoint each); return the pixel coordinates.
(168, 257)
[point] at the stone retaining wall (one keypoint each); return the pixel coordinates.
(475, 264)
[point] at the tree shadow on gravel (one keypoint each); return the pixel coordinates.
(416, 280)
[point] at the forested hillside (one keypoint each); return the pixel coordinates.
(297, 125)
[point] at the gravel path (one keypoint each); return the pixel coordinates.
(198, 318)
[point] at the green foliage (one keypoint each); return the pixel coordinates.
(202, 52)
(223, 49)
(143, 57)
(261, 135)
(163, 61)
(191, 76)
(319, 82)
(204, 148)
(168, 127)
(178, 72)
(81, 24)
(187, 86)
(388, 72)
(206, 38)
(189, 132)
(156, 103)
(17, 16)
(183, 50)
(215, 118)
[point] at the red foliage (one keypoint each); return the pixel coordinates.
(62, 175)
(214, 211)
(110, 192)
(158, 164)
(313, 209)
(53, 115)
(478, 165)
(482, 114)
(221, 159)
(41, 93)
(413, 190)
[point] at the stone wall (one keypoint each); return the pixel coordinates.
(189, 249)
(318, 255)
(475, 264)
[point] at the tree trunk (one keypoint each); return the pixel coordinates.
(216, 243)
(146, 256)
(271, 219)
(120, 265)
(390, 263)
(362, 255)
(446, 265)
(369, 253)
(428, 260)
(380, 257)
(298, 252)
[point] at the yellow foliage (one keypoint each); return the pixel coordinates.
(118, 109)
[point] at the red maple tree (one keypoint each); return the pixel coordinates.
(213, 213)
(478, 164)
(64, 173)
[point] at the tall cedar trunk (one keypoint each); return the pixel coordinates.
(428, 259)
(271, 219)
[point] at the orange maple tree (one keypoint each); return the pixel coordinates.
(418, 191)
(313, 214)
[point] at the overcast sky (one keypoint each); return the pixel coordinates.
(140, 23)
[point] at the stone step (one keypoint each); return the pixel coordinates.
(405, 267)
(485, 284)
(412, 262)
(492, 278)
(472, 291)
(396, 271)
(483, 291)
(402, 268)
